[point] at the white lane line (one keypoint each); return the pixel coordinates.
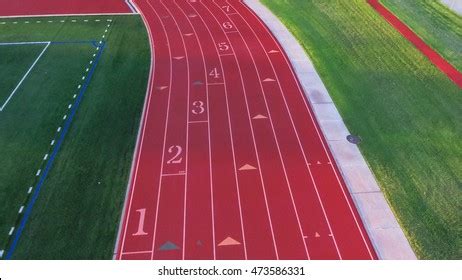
(233, 148)
(314, 121)
(212, 205)
(165, 136)
(187, 132)
(25, 76)
(281, 158)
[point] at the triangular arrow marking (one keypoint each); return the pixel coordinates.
(229, 242)
(318, 162)
(247, 167)
(259, 117)
(317, 235)
(268, 80)
(168, 246)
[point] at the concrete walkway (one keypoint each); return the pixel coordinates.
(386, 235)
(455, 5)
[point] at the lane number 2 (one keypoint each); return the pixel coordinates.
(198, 108)
(176, 151)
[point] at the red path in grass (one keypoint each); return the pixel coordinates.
(434, 57)
(56, 7)
(230, 162)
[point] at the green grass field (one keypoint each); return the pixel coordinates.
(437, 25)
(407, 113)
(77, 212)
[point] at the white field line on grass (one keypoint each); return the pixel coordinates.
(28, 71)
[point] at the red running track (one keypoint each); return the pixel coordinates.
(230, 162)
(57, 7)
(431, 54)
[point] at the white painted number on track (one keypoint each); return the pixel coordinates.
(227, 25)
(223, 46)
(140, 230)
(176, 150)
(198, 107)
(214, 73)
(226, 8)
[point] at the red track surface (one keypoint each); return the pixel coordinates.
(231, 163)
(53, 7)
(434, 57)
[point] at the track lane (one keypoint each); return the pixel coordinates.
(169, 221)
(285, 218)
(315, 225)
(344, 220)
(143, 195)
(198, 235)
(257, 225)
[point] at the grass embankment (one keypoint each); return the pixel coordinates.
(407, 112)
(77, 212)
(435, 23)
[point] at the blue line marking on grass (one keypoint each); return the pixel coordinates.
(47, 169)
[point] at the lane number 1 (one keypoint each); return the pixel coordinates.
(141, 222)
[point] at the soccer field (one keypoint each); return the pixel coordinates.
(71, 96)
(406, 111)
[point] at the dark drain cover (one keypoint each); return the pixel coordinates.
(354, 139)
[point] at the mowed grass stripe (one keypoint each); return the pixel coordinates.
(406, 111)
(435, 23)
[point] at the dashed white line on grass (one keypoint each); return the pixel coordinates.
(11, 231)
(1, 253)
(86, 70)
(20, 209)
(70, 105)
(75, 95)
(45, 157)
(38, 172)
(65, 117)
(52, 142)
(83, 78)
(79, 86)
(59, 129)
(30, 190)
